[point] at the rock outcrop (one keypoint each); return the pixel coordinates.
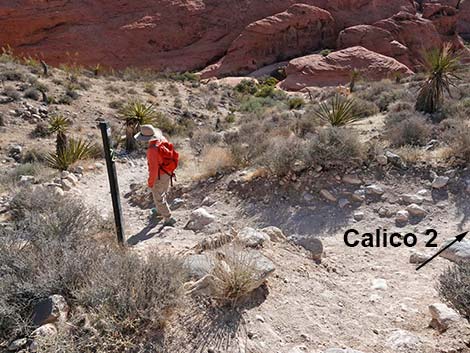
(160, 34)
(336, 68)
(299, 30)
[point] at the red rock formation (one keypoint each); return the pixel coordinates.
(300, 30)
(336, 68)
(463, 14)
(161, 34)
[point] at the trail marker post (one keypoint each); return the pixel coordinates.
(113, 181)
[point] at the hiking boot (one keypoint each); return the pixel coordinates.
(169, 222)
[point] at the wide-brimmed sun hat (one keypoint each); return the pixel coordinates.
(148, 133)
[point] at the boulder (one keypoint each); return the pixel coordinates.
(198, 219)
(418, 258)
(335, 69)
(53, 309)
(442, 316)
(458, 252)
(312, 244)
(198, 265)
(16, 345)
(403, 341)
(298, 30)
(251, 237)
(402, 216)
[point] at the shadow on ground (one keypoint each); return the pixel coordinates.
(205, 327)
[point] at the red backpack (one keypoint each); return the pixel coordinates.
(167, 159)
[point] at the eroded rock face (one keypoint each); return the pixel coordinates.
(336, 68)
(299, 30)
(160, 34)
(463, 13)
(404, 36)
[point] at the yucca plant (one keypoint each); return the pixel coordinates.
(339, 111)
(441, 66)
(59, 125)
(135, 114)
(75, 150)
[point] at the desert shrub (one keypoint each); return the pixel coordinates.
(183, 76)
(459, 141)
(339, 111)
(246, 87)
(296, 103)
(400, 106)
(150, 88)
(12, 93)
(34, 155)
(41, 130)
(30, 168)
(211, 103)
(454, 287)
(408, 128)
(234, 275)
(53, 248)
(282, 154)
(12, 75)
(230, 118)
(116, 104)
(256, 105)
(326, 52)
(364, 109)
(383, 93)
(32, 93)
(65, 99)
(216, 160)
(335, 147)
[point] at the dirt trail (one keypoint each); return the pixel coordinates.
(309, 307)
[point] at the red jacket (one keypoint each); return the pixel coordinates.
(153, 161)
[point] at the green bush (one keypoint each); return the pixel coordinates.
(246, 87)
(383, 93)
(296, 103)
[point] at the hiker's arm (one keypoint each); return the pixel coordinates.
(153, 167)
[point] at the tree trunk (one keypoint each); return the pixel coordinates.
(61, 143)
(130, 141)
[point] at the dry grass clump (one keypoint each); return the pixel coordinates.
(117, 300)
(234, 275)
(454, 287)
(216, 160)
(282, 154)
(408, 128)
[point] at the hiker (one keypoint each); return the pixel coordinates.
(162, 161)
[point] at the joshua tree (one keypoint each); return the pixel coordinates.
(135, 114)
(58, 124)
(441, 67)
(354, 77)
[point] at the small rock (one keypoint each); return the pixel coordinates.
(251, 237)
(440, 182)
(379, 284)
(327, 195)
(395, 159)
(359, 195)
(349, 179)
(358, 215)
(44, 331)
(66, 185)
(177, 203)
(26, 180)
(18, 344)
(99, 165)
(199, 218)
(53, 309)
(408, 199)
(418, 257)
(403, 341)
(308, 197)
(423, 193)
(402, 216)
(342, 203)
(72, 179)
(274, 233)
(312, 244)
(208, 201)
(374, 190)
(416, 210)
(382, 160)
(442, 316)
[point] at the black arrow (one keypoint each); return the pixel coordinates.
(457, 238)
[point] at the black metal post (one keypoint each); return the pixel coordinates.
(113, 181)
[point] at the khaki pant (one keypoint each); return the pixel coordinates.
(159, 191)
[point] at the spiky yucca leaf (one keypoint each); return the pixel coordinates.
(76, 150)
(339, 111)
(441, 67)
(59, 123)
(134, 115)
